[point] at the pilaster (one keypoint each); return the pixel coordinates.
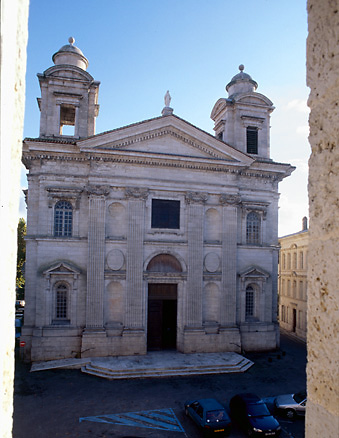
(135, 307)
(229, 259)
(195, 228)
(96, 257)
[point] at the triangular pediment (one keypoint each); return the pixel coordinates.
(61, 268)
(254, 272)
(167, 137)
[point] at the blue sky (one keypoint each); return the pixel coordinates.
(138, 49)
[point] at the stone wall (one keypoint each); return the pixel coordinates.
(323, 298)
(14, 17)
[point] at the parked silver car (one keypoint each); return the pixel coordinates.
(291, 405)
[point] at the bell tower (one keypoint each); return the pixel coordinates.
(242, 120)
(69, 96)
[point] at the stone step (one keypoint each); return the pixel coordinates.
(112, 374)
(197, 366)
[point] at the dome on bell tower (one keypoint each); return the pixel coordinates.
(242, 119)
(70, 55)
(241, 83)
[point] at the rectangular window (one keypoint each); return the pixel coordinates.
(249, 305)
(301, 290)
(300, 315)
(58, 222)
(294, 260)
(61, 304)
(301, 260)
(165, 214)
(67, 120)
(252, 140)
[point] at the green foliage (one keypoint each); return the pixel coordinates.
(21, 257)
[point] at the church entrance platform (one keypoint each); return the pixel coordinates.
(154, 364)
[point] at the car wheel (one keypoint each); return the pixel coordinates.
(290, 414)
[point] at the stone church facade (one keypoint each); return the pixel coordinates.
(151, 236)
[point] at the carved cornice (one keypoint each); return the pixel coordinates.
(232, 167)
(226, 199)
(259, 207)
(196, 198)
(213, 165)
(97, 190)
(71, 194)
(137, 193)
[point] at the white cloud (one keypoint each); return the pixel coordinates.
(299, 105)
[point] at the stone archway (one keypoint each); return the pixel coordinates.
(162, 303)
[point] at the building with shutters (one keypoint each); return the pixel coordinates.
(292, 284)
(157, 235)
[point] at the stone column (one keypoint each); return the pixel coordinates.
(229, 260)
(195, 229)
(135, 308)
(96, 257)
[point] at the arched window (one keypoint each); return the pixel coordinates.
(61, 303)
(253, 228)
(249, 304)
(63, 215)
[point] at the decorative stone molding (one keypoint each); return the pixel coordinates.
(171, 131)
(196, 198)
(253, 274)
(212, 262)
(97, 190)
(252, 121)
(115, 259)
(69, 194)
(255, 206)
(137, 192)
(65, 273)
(226, 199)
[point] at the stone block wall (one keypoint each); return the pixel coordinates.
(322, 415)
(13, 29)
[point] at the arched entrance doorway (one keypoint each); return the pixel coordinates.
(162, 303)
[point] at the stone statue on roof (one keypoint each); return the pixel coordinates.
(167, 99)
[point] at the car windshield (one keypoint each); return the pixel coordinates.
(218, 415)
(258, 410)
(299, 397)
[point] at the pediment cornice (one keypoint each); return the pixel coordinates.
(61, 267)
(163, 132)
(178, 130)
(254, 272)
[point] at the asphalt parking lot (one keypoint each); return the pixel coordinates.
(68, 403)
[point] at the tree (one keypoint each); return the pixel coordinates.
(21, 257)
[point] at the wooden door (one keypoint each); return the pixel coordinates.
(162, 316)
